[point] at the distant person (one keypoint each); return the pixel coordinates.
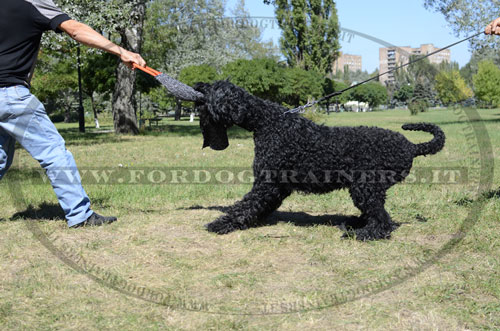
(23, 117)
(493, 27)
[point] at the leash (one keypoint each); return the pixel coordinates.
(301, 109)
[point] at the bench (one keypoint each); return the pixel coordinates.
(154, 120)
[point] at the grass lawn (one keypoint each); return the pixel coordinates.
(292, 274)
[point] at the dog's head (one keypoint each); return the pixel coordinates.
(213, 122)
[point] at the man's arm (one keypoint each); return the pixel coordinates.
(89, 37)
(493, 27)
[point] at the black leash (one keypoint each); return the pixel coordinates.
(302, 109)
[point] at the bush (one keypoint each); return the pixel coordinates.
(451, 87)
(260, 77)
(403, 94)
(487, 83)
(418, 106)
(267, 79)
(57, 118)
(60, 117)
(375, 94)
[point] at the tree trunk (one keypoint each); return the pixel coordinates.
(124, 117)
(92, 101)
(178, 110)
(67, 115)
(68, 98)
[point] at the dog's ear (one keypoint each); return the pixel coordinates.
(236, 110)
(202, 87)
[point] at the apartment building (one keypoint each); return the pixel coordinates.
(390, 58)
(354, 62)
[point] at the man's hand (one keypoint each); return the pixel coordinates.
(129, 58)
(493, 27)
(88, 36)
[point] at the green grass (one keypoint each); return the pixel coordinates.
(159, 242)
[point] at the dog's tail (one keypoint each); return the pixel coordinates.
(431, 147)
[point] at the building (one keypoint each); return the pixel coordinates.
(390, 58)
(355, 63)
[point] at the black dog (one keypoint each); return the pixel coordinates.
(294, 154)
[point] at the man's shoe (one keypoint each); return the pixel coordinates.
(95, 220)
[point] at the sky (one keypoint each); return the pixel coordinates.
(398, 22)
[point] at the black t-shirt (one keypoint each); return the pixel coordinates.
(22, 23)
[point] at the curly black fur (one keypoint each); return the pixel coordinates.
(294, 154)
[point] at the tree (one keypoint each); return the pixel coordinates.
(421, 76)
(344, 97)
(98, 79)
(423, 96)
(479, 55)
(404, 93)
(447, 66)
(124, 117)
(487, 83)
(54, 83)
(451, 87)
(177, 34)
(423, 71)
(124, 18)
(310, 38)
(350, 77)
(261, 77)
(468, 17)
(247, 38)
(183, 33)
(301, 86)
(270, 80)
(374, 94)
(200, 73)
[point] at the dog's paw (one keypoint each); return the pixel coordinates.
(224, 226)
(371, 231)
(365, 234)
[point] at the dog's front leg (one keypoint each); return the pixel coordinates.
(255, 206)
(370, 199)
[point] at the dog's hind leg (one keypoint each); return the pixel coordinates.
(255, 206)
(370, 199)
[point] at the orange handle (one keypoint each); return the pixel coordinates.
(147, 70)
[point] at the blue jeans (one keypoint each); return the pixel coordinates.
(23, 119)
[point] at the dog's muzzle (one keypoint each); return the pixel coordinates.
(214, 136)
(214, 132)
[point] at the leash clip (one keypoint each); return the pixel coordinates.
(300, 109)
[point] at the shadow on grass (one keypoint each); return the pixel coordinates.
(299, 218)
(492, 194)
(489, 121)
(45, 211)
(73, 137)
(27, 175)
(178, 130)
(446, 121)
(182, 128)
(51, 211)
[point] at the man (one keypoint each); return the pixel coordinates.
(23, 117)
(493, 27)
